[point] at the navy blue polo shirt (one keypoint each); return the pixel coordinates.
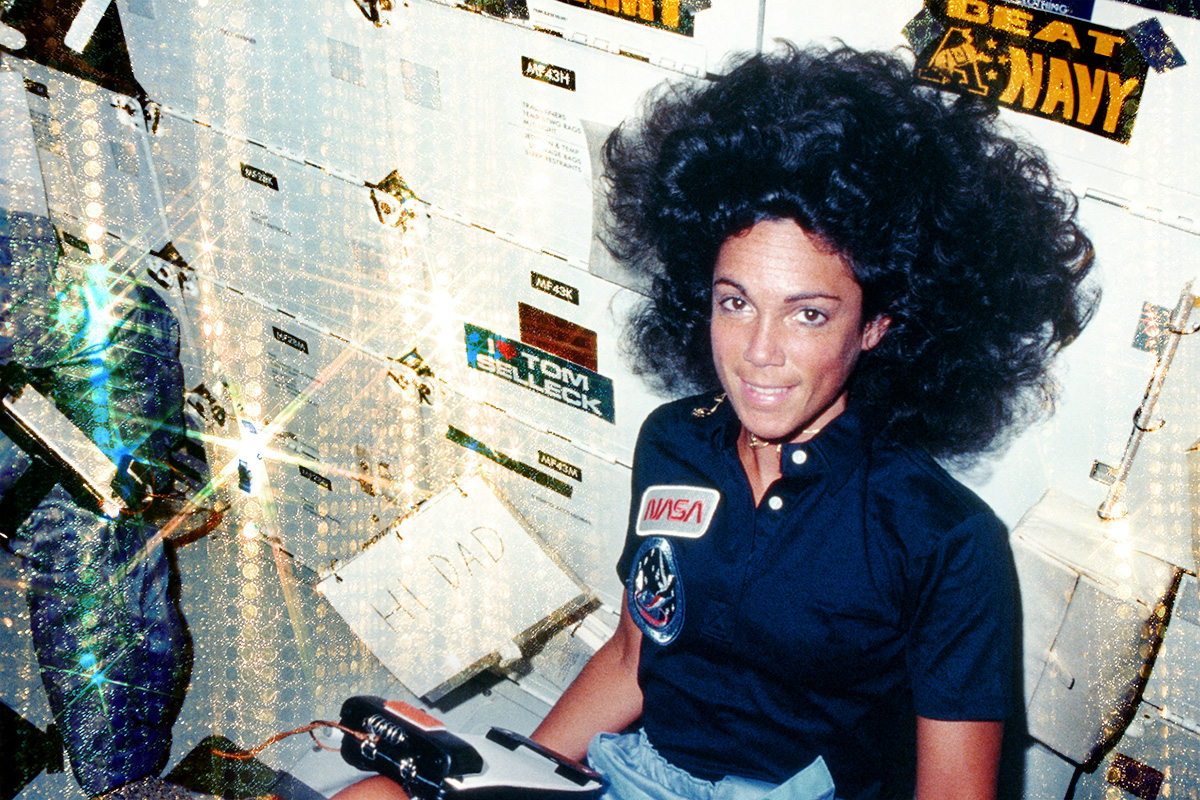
(868, 587)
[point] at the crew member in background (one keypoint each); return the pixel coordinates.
(859, 275)
(111, 644)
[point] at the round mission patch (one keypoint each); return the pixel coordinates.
(655, 591)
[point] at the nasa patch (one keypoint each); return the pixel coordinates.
(684, 511)
(655, 591)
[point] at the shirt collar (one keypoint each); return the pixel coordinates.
(833, 454)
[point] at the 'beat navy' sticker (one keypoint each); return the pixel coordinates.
(655, 591)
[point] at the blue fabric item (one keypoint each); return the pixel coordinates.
(869, 587)
(112, 646)
(109, 639)
(634, 771)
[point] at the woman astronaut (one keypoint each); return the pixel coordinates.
(859, 275)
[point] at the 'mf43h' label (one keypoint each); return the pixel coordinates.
(548, 73)
(1060, 68)
(538, 371)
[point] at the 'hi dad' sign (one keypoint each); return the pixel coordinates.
(448, 586)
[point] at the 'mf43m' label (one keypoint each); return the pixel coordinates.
(1059, 68)
(539, 371)
(558, 465)
(684, 511)
(548, 73)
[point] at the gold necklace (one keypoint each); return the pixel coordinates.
(756, 442)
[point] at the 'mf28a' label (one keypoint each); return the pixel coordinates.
(684, 511)
(289, 339)
(539, 371)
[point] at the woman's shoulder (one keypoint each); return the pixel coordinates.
(918, 490)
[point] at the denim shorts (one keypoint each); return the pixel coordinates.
(635, 771)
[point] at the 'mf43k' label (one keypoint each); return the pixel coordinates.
(548, 73)
(684, 511)
(539, 371)
(1060, 68)
(550, 286)
(260, 176)
(671, 15)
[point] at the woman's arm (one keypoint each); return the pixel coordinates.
(604, 697)
(957, 760)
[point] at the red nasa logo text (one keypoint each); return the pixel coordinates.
(684, 511)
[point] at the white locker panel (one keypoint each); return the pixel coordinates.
(180, 288)
(504, 138)
(568, 495)
(1094, 609)
(1045, 774)
(94, 158)
(1174, 686)
(324, 433)
(292, 235)
(301, 77)
(1160, 153)
(21, 186)
(1102, 379)
(876, 25)
(598, 409)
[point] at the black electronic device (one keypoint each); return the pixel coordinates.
(416, 750)
(59, 452)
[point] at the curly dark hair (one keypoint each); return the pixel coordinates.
(954, 230)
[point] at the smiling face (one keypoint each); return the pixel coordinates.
(786, 329)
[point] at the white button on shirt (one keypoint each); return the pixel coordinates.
(799, 457)
(774, 502)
